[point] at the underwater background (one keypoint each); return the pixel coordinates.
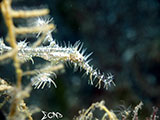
(124, 36)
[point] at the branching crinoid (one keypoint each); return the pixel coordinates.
(154, 115)
(88, 114)
(11, 92)
(136, 110)
(123, 112)
(18, 109)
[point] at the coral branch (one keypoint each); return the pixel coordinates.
(88, 114)
(6, 11)
(27, 14)
(36, 29)
(47, 69)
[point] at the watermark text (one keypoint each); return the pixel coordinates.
(50, 115)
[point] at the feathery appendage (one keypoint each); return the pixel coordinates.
(41, 80)
(43, 22)
(61, 54)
